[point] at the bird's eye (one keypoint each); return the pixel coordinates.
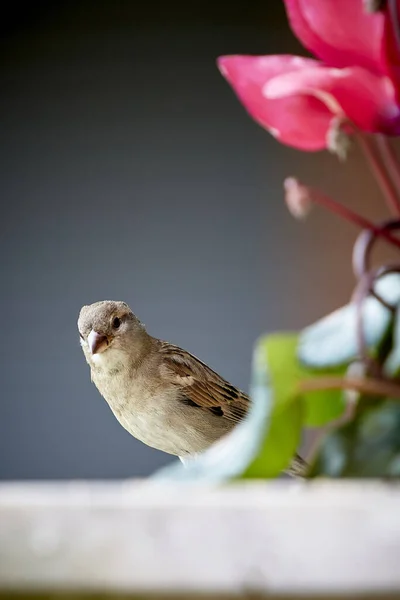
(116, 322)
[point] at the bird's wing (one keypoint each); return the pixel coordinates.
(201, 386)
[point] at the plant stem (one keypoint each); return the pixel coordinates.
(390, 159)
(351, 216)
(394, 20)
(380, 173)
(367, 386)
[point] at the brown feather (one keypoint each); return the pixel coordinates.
(201, 385)
(204, 388)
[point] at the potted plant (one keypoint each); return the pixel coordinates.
(343, 372)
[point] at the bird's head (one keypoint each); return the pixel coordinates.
(108, 327)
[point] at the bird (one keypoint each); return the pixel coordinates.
(161, 394)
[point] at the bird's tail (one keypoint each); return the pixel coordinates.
(297, 468)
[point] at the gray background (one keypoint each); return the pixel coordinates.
(130, 171)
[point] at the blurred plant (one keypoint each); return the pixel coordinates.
(343, 372)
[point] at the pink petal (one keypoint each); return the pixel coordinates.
(339, 32)
(298, 119)
(391, 48)
(366, 99)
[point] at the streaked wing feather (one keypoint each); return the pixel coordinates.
(201, 385)
(204, 388)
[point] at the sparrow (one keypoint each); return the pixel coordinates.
(160, 393)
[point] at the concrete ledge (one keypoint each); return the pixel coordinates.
(282, 539)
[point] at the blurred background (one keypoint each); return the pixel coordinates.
(130, 171)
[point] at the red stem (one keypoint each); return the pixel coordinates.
(390, 159)
(351, 216)
(380, 174)
(366, 386)
(394, 20)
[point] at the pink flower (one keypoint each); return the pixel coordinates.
(342, 33)
(297, 99)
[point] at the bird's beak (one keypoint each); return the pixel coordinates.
(97, 342)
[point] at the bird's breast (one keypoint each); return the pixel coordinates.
(154, 413)
(147, 411)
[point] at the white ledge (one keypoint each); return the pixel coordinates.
(277, 538)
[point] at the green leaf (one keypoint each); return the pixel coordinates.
(392, 364)
(332, 341)
(286, 372)
(276, 364)
(284, 419)
(280, 443)
(368, 446)
(323, 406)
